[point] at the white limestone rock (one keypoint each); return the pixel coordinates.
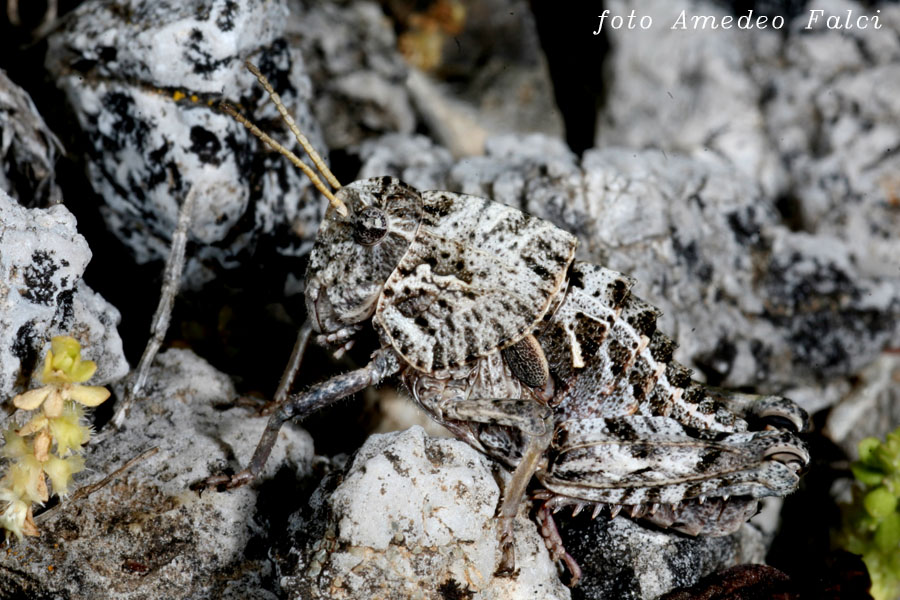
(811, 116)
(414, 159)
(834, 116)
(690, 92)
(42, 260)
(414, 517)
(144, 80)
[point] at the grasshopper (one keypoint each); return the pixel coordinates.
(549, 365)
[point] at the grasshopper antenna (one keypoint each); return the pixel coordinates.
(301, 139)
(337, 204)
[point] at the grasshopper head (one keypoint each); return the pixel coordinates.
(354, 255)
(367, 229)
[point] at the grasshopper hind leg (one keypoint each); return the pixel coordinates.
(762, 412)
(554, 541)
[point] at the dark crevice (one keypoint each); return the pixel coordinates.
(791, 211)
(575, 59)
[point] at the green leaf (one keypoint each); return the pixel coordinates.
(866, 474)
(880, 502)
(887, 536)
(867, 447)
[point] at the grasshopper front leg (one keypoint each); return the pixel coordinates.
(384, 363)
(535, 421)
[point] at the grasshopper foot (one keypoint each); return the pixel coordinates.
(507, 549)
(222, 482)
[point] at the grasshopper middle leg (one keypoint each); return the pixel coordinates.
(535, 422)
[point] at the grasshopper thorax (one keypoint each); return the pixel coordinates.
(354, 255)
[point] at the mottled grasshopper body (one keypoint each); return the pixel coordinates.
(546, 364)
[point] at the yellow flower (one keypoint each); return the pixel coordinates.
(15, 515)
(67, 430)
(26, 480)
(63, 363)
(59, 423)
(63, 373)
(60, 471)
(15, 446)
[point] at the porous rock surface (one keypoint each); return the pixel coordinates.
(28, 149)
(624, 560)
(144, 79)
(750, 302)
(810, 114)
(359, 76)
(144, 533)
(834, 116)
(413, 517)
(42, 260)
(689, 92)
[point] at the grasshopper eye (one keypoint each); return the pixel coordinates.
(371, 226)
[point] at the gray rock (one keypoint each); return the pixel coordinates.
(818, 131)
(143, 79)
(750, 302)
(434, 533)
(689, 92)
(811, 116)
(360, 77)
(836, 316)
(143, 533)
(622, 559)
(871, 408)
(42, 260)
(28, 149)
(414, 159)
(833, 114)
